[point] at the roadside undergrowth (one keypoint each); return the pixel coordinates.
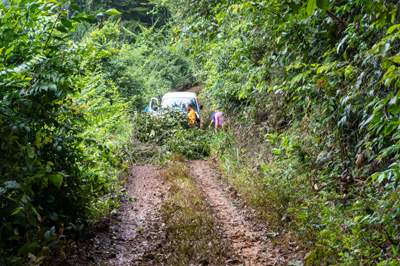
(192, 235)
(291, 183)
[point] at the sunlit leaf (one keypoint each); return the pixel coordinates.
(392, 28)
(311, 6)
(112, 11)
(12, 185)
(384, 48)
(30, 151)
(16, 211)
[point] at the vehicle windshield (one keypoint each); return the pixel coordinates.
(179, 103)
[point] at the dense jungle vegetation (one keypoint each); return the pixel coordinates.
(314, 83)
(309, 88)
(71, 75)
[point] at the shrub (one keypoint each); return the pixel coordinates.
(169, 132)
(48, 181)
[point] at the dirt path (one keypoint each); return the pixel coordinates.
(134, 233)
(135, 236)
(196, 88)
(248, 238)
(245, 242)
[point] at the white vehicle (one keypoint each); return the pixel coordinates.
(177, 101)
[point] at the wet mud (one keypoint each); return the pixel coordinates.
(249, 238)
(131, 236)
(135, 236)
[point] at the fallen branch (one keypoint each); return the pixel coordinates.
(335, 18)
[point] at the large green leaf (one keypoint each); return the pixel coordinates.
(392, 28)
(30, 151)
(75, 7)
(66, 23)
(12, 185)
(112, 11)
(384, 48)
(56, 179)
(62, 29)
(323, 4)
(394, 109)
(311, 6)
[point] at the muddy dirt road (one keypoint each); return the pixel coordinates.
(130, 236)
(248, 236)
(135, 236)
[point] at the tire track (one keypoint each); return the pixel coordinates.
(244, 240)
(252, 242)
(134, 232)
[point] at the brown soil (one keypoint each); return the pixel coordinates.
(196, 88)
(135, 234)
(129, 237)
(249, 238)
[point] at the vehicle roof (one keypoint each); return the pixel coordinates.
(180, 95)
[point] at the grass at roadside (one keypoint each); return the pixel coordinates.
(192, 235)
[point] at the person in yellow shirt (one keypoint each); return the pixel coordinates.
(192, 114)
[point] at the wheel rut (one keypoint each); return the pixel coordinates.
(130, 236)
(135, 235)
(246, 242)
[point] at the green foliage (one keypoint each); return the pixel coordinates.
(143, 69)
(171, 132)
(131, 10)
(192, 143)
(49, 181)
(319, 81)
(158, 128)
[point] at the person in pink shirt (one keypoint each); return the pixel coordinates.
(219, 120)
(213, 118)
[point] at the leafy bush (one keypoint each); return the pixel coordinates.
(171, 132)
(316, 85)
(307, 194)
(48, 180)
